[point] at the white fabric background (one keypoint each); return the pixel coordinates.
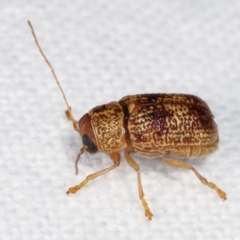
(103, 50)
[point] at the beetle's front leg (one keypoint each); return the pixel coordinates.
(135, 166)
(179, 164)
(116, 160)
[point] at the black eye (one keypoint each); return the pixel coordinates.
(87, 141)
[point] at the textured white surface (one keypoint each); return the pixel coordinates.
(101, 51)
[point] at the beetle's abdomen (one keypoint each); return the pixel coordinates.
(175, 124)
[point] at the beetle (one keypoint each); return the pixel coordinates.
(165, 126)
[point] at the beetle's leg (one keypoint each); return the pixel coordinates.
(116, 160)
(179, 164)
(135, 166)
(70, 117)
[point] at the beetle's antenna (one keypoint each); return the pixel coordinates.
(52, 69)
(82, 150)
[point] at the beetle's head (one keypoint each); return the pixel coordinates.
(88, 136)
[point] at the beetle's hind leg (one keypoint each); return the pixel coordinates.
(135, 166)
(179, 164)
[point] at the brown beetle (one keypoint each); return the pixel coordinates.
(164, 126)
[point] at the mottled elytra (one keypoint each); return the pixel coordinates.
(179, 126)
